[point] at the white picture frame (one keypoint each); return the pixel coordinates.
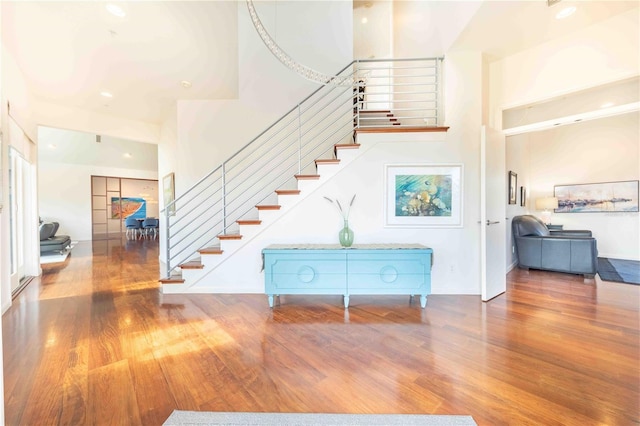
(423, 195)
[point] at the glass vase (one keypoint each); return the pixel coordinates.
(345, 236)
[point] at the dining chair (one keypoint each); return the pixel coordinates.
(150, 224)
(133, 226)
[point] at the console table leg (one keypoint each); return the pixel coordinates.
(346, 301)
(271, 301)
(423, 301)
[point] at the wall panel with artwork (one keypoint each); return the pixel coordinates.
(113, 199)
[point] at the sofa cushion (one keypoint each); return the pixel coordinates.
(46, 231)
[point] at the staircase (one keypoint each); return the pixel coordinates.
(243, 196)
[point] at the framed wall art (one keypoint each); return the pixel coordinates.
(603, 197)
(523, 196)
(513, 187)
(423, 195)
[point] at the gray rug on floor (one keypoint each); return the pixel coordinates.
(619, 270)
(271, 419)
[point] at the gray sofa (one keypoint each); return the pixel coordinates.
(49, 241)
(537, 247)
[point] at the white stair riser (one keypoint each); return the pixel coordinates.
(210, 261)
(248, 231)
(346, 156)
(308, 185)
(287, 201)
(328, 170)
(192, 275)
(268, 216)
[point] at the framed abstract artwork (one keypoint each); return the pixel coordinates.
(606, 197)
(423, 195)
(122, 208)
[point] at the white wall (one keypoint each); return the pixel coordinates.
(604, 150)
(373, 38)
(602, 53)
(209, 131)
(64, 117)
(3, 237)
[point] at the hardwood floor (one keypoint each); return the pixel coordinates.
(93, 341)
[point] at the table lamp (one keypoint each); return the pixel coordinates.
(546, 204)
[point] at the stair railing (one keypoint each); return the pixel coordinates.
(290, 146)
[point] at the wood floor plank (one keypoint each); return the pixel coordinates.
(117, 404)
(93, 341)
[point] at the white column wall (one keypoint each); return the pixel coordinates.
(16, 93)
(3, 253)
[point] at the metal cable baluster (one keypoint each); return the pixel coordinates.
(224, 198)
(299, 140)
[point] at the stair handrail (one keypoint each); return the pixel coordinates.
(197, 190)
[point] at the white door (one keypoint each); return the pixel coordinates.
(493, 199)
(17, 172)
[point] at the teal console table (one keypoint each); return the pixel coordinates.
(370, 269)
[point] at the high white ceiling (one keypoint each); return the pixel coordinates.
(71, 51)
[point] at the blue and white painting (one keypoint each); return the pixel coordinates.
(597, 197)
(423, 195)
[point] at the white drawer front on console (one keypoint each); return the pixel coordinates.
(306, 273)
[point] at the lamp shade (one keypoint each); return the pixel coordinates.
(547, 203)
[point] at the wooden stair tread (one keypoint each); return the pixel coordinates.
(192, 264)
(268, 207)
(401, 129)
(347, 146)
(210, 250)
(374, 111)
(175, 279)
(287, 191)
(327, 161)
(307, 177)
(249, 222)
(230, 237)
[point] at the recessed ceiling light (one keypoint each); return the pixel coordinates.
(116, 10)
(566, 12)
(606, 105)
(365, 20)
(127, 155)
(106, 94)
(52, 146)
(186, 84)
